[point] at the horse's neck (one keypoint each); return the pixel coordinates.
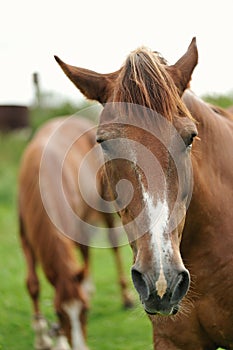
(213, 147)
(212, 168)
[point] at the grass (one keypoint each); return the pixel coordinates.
(13, 306)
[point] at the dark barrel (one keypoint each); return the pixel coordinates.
(13, 117)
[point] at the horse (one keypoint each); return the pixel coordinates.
(50, 232)
(172, 153)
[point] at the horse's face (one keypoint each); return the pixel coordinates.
(155, 166)
(146, 135)
(72, 313)
(72, 317)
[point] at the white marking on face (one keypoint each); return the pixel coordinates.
(161, 284)
(158, 221)
(73, 310)
(158, 217)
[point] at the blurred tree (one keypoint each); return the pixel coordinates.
(221, 100)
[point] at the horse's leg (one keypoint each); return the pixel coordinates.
(112, 235)
(84, 246)
(87, 283)
(84, 249)
(42, 340)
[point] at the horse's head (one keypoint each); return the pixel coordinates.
(146, 134)
(72, 303)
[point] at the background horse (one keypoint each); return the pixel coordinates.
(147, 130)
(49, 178)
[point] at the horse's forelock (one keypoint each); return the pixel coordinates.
(145, 81)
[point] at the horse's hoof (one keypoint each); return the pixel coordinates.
(43, 348)
(43, 344)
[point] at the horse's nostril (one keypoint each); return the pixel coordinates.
(140, 284)
(181, 286)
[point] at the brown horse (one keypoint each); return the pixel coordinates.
(180, 212)
(49, 195)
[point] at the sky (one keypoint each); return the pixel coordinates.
(100, 34)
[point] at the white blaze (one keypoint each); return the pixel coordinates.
(73, 310)
(158, 220)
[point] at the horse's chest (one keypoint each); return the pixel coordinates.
(216, 316)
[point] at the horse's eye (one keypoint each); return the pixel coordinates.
(190, 139)
(99, 139)
(103, 143)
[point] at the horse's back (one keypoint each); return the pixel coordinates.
(48, 186)
(65, 129)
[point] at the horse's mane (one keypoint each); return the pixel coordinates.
(144, 80)
(223, 112)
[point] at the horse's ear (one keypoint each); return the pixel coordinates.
(94, 86)
(182, 70)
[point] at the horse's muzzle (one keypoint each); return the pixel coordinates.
(168, 303)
